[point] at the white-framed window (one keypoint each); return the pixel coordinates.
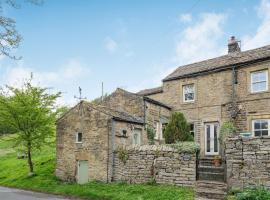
(79, 137)
(188, 93)
(156, 130)
(137, 136)
(260, 127)
(259, 81)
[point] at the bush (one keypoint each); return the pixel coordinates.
(227, 129)
(186, 147)
(177, 129)
(258, 193)
(150, 135)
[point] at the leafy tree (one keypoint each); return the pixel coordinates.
(177, 129)
(30, 112)
(9, 36)
(227, 129)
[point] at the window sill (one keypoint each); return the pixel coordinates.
(78, 142)
(260, 92)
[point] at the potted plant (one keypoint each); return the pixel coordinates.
(217, 161)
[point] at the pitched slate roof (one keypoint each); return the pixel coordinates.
(150, 91)
(221, 63)
(116, 114)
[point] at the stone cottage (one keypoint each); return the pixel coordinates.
(88, 134)
(234, 87)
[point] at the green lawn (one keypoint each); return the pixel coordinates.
(13, 173)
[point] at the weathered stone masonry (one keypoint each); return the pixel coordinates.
(248, 161)
(161, 163)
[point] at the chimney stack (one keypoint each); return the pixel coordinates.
(234, 45)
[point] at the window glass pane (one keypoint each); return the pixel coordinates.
(215, 139)
(192, 129)
(135, 138)
(189, 92)
(264, 132)
(257, 133)
(260, 86)
(208, 138)
(258, 76)
(79, 137)
(264, 124)
(257, 125)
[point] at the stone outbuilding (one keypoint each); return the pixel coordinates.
(88, 134)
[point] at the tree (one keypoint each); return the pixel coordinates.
(9, 36)
(177, 129)
(31, 113)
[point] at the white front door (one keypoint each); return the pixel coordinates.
(211, 139)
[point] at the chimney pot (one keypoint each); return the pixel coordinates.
(233, 45)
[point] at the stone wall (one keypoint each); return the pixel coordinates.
(248, 161)
(161, 163)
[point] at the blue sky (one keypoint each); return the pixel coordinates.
(128, 44)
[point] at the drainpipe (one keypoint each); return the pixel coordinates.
(234, 81)
(112, 145)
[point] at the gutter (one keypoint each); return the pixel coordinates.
(222, 68)
(156, 102)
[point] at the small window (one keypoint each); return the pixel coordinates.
(192, 130)
(79, 138)
(259, 81)
(124, 133)
(260, 127)
(137, 136)
(188, 93)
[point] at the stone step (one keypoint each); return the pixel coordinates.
(207, 162)
(211, 169)
(210, 194)
(212, 185)
(211, 176)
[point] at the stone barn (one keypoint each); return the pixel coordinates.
(88, 134)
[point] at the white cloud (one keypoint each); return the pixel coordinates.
(261, 37)
(62, 79)
(201, 40)
(110, 44)
(185, 18)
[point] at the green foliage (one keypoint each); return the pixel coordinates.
(257, 193)
(13, 174)
(122, 154)
(30, 112)
(177, 129)
(227, 129)
(150, 135)
(186, 147)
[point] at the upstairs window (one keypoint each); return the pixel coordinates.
(188, 93)
(260, 127)
(79, 138)
(259, 81)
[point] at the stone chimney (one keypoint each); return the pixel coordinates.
(234, 45)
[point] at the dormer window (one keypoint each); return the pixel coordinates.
(259, 81)
(189, 93)
(79, 137)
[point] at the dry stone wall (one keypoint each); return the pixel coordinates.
(162, 164)
(248, 162)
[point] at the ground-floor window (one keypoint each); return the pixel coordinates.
(137, 136)
(192, 129)
(260, 127)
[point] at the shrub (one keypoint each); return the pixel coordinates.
(227, 129)
(177, 129)
(150, 135)
(257, 193)
(186, 147)
(122, 154)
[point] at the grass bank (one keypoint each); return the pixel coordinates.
(13, 173)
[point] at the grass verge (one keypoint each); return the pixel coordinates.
(13, 173)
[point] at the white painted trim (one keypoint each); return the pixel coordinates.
(211, 135)
(253, 131)
(183, 93)
(78, 142)
(251, 82)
